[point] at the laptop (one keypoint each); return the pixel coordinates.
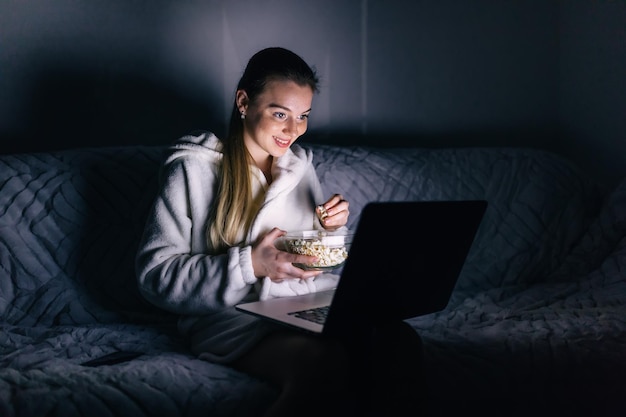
(404, 261)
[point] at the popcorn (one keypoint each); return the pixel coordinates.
(330, 251)
(321, 212)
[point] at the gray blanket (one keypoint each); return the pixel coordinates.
(537, 323)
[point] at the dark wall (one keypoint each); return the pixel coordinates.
(417, 73)
(592, 87)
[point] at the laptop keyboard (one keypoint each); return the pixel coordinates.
(316, 315)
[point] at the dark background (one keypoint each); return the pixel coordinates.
(539, 73)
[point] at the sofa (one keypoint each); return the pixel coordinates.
(536, 324)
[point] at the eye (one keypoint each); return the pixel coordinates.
(303, 117)
(280, 115)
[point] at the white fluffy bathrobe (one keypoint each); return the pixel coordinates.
(175, 268)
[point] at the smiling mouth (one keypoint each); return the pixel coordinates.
(281, 142)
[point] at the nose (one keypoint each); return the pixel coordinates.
(291, 128)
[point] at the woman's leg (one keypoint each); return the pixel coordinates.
(377, 373)
(312, 373)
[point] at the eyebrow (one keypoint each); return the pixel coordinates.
(285, 108)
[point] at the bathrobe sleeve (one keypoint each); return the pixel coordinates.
(174, 270)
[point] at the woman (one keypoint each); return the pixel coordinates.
(210, 240)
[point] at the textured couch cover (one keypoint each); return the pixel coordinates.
(536, 324)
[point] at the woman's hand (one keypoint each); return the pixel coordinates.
(334, 213)
(269, 261)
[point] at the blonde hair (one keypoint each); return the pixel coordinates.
(230, 215)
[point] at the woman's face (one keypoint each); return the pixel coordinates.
(275, 119)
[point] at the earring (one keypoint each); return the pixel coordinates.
(243, 115)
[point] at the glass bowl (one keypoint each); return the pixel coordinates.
(331, 248)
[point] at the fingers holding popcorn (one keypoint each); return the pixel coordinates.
(334, 213)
